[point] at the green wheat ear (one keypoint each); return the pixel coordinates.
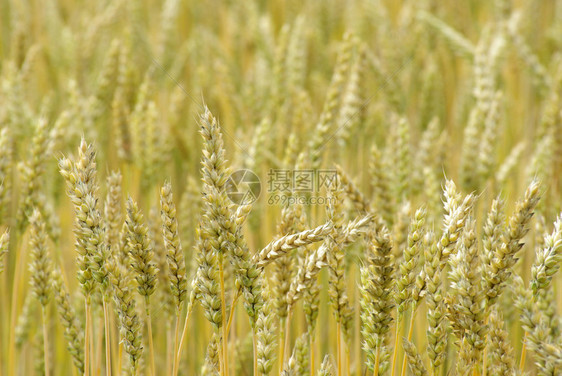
(41, 267)
(4, 243)
(73, 328)
(175, 256)
(140, 250)
(327, 367)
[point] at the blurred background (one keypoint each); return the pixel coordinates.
(400, 94)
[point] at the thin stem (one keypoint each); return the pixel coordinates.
(281, 344)
(223, 317)
(523, 354)
(311, 345)
(442, 368)
(338, 344)
(410, 334)
(176, 342)
(45, 340)
(221, 362)
(107, 338)
(98, 347)
(357, 329)
(91, 344)
(231, 315)
(87, 338)
(150, 343)
(347, 359)
(183, 336)
(120, 358)
(377, 361)
(255, 343)
(3, 298)
(170, 348)
(287, 332)
(114, 337)
(395, 350)
(232, 339)
(15, 295)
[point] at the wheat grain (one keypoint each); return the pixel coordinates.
(377, 297)
(352, 192)
(548, 259)
(32, 171)
(24, 323)
(4, 243)
(141, 253)
(327, 368)
(548, 354)
(266, 338)
(279, 247)
(6, 161)
(496, 273)
(41, 267)
(465, 303)
(501, 354)
(113, 211)
(456, 213)
(412, 255)
(332, 103)
(92, 255)
(73, 330)
(211, 366)
(176, 262)
(129, 322)
(458, 42)
(140, 250)
(380, 184)
(463, 93)
(436, 310)
(414, 359)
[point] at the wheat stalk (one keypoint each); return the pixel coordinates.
(145, 271)
(175, 258)
(286, 243)
(41, 269)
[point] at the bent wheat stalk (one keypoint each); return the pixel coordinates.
(281, 246)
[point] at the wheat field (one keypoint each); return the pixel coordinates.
(231, 188)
